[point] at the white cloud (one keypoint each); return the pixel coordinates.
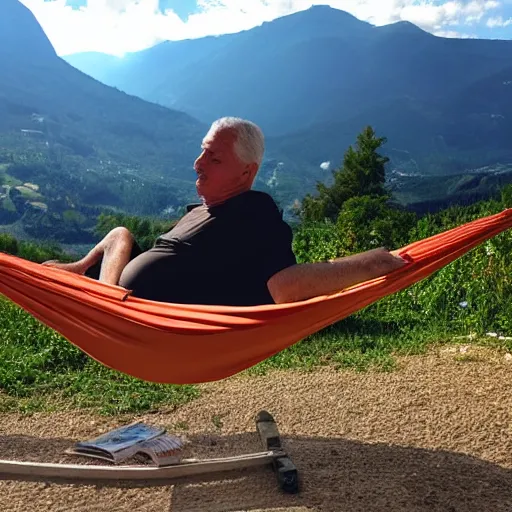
(119, 26)
(433, 17)
(498, 22)
(325, 166)
(111, 26)
(453, 34)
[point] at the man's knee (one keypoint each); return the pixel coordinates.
(119, 236)
(121, 233)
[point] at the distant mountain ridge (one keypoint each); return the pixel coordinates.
(316, 66)
(71, 146)
(315, 78)
(87, 146)
(20, 33)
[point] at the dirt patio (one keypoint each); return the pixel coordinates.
(435, 435)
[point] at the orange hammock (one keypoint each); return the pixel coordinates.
(185, 344)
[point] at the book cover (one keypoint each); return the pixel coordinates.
(124, 442)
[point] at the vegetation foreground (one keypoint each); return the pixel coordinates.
(39, 370)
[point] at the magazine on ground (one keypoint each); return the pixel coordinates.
(125, 442)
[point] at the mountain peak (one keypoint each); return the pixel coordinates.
(317, 21)
(403, 27)
(325, 8)
(21, 36)
(326, 12)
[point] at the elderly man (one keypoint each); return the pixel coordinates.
(231, 249)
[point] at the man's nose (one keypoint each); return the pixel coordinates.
(199, 159)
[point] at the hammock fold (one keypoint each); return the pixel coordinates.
(190, 344)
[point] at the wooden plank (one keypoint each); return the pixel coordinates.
(14, 470)
(267, 428)
(286, 472)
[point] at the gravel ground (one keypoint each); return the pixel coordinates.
(436, 435)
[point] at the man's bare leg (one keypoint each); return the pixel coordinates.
(306, 280)
(115, 248)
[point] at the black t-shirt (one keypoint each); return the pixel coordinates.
(222, 255)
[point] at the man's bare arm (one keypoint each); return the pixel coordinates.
(306, 280)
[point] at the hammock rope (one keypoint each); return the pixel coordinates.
(189, 344)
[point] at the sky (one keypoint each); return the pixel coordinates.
(120, 26)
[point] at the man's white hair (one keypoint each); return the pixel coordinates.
(250, 141)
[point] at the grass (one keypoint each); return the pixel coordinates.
(40, 371)
(11, 180)
(7, 204)
(29, 193)
(356, 343)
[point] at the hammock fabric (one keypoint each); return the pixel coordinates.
(187, 344)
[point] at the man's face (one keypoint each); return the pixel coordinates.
(221, 174)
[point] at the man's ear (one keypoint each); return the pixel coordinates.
(252, 169)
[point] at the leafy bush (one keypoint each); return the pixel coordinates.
(8, 244)
(472, 294)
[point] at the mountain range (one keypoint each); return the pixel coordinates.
(314, 79)
(317, 66)
(40, 91)
(83, 145)
(92, 132)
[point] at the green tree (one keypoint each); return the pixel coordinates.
(367, 222)
(362, 174)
